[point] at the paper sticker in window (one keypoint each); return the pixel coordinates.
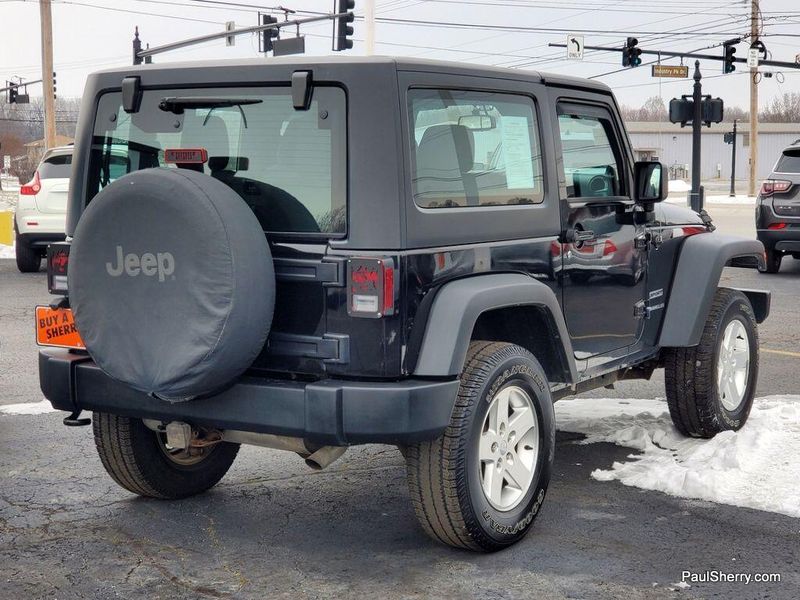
(517, 152)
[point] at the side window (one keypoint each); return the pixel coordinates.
(591, 153)
(474, 149)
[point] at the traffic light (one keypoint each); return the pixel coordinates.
(729, 53)
(268, 34)
(54, 85)
(631, 54)
(12, 92)
(342, 29)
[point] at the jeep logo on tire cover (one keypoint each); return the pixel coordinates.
(148, 264)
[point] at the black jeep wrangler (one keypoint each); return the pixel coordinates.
(309, 254)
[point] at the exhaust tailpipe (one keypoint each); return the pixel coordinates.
(323, 457)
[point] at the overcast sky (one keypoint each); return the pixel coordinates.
(94, 34)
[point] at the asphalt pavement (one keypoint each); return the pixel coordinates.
(274, 529)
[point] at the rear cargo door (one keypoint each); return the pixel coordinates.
(54, 172)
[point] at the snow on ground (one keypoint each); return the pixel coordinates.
(27, 408)
(680, 198)
(757, 467)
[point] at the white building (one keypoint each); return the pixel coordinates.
(673, 146)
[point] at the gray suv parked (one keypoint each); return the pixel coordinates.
(314, 253)
(778, 210)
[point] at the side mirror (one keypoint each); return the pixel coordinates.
(650, 181)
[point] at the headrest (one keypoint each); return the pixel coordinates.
(441, 144)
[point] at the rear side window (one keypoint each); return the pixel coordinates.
(57, 166)
(789, 162)
(474, 148)
(591, 153)
(289, 166)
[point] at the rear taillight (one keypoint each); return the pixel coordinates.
(33, 187)
(772, 186)
(371, 287)
(776, 226)
(692, 230)
(57, 266)
(609, 247)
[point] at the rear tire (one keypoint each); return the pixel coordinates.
(703, 400)
(29, 259)
(773, 261)
(138, 461)
(450, 478)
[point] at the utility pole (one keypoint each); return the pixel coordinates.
(695, 195)
(369, 26)
(47, 74)
(733, 161)
(754, 22)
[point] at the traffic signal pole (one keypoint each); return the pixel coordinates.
(733, 162)
(695, 196)
(47, 74)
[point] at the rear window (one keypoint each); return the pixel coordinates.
(789, 162)
(57, 166)
(288, 165)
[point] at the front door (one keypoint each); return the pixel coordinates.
(603, 254)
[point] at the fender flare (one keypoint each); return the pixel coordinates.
(456, 309)
(702, 258)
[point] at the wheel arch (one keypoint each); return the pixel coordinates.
(697, 275)
(511, 308)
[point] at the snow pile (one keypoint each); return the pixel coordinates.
(678, 185)
(27, 408)
(6, 251)
(757, 467)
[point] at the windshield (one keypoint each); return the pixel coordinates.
(288, 165)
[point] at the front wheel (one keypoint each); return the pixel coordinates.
(140, 460)
(710, 387)
(481, 484)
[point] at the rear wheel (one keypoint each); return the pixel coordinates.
(710, 387)
(140, 460)
(28, 259)
(481, 484)
(773, 261)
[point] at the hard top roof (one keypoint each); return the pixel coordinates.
(399, 63)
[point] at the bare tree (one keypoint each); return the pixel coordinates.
(782, 109)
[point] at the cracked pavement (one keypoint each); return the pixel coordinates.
(274, 529)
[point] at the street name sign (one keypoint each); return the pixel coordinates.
(675, 71)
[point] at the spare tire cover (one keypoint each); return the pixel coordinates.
(171, 282)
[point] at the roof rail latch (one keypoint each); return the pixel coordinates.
(301, 90)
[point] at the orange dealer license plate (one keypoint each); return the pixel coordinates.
(57, 328)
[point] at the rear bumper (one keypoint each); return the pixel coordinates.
(40, 228)
(786, 240)
(329, 412)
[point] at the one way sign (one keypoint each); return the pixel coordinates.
(575, 47)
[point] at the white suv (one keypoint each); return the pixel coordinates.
(42, 209)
